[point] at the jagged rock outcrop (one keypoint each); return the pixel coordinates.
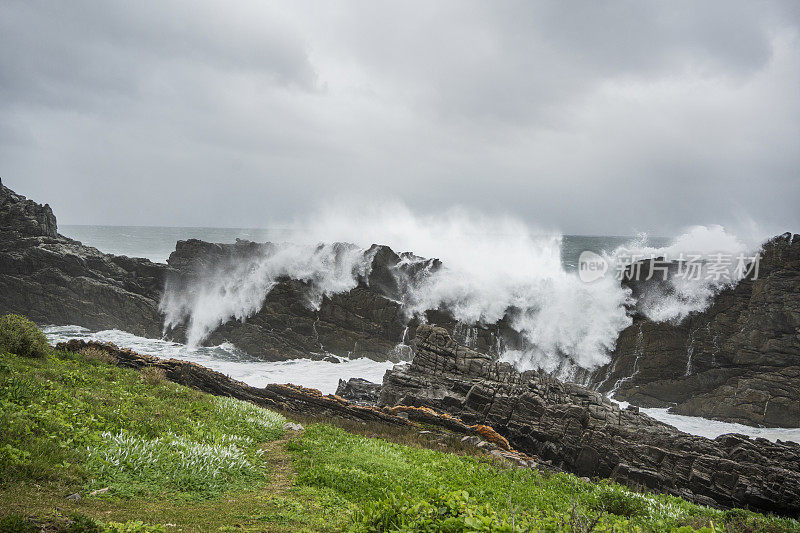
(369, 320)
(56, 280)
(581, 431)
(737, 361)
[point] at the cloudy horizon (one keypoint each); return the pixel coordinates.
(592, 118)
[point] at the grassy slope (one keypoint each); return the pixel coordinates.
(191, 462)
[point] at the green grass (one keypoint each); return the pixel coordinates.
(175, 459)
(76, 420)
(417, 490)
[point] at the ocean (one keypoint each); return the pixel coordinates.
(157, 242)
(552, 290)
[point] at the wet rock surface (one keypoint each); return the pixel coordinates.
(579, 430)
(737, 361)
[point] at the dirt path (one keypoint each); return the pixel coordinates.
(281, 469)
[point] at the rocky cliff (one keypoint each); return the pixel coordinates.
(581, 431)
(738, 360)
(56, 280)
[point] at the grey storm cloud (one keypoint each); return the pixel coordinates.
(590, 117)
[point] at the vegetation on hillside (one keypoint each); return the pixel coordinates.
(88, 446)
(20, 336)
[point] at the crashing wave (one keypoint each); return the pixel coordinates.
(491, 269)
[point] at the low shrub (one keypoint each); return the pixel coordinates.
(440, 511)
(206, 458)
(620, 502)
(134, 465)
(20, 336)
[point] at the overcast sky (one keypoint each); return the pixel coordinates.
(590, 117)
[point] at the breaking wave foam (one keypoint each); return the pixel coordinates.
(232, 362)
(238, 287)
(493, 267)
(680, 296)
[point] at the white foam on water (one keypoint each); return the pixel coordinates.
(712, 429)
(232, 362)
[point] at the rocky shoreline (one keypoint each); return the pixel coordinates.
(581, 431)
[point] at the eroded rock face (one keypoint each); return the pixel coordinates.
(56, 280)
(25, 218)
(581, 431)
(737, 361)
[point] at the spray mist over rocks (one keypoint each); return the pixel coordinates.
(674, 300)
(237, 286)
(491, 267)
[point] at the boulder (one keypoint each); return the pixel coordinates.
(359, 390)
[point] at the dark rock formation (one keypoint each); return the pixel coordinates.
(56, 280)
(359, 390)
(738, 361)
(370, 320)
(20, 216)
(581, 431)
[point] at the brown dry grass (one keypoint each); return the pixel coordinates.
(153, 375)
(92, 353)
